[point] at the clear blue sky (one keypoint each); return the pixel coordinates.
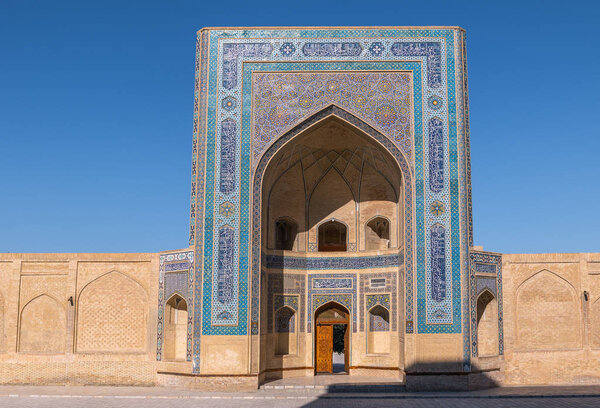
(96, 101)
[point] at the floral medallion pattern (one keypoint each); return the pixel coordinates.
(284, 99)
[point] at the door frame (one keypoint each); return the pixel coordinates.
(347, 334)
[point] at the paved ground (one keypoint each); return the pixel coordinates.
(137, 397)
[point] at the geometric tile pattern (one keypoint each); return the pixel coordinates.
(438, 263)
(382, 299)
(290, 301)
(386, 296)
(377, 322)
(176, 276)
(324, 263)
(485, 273)
(381, 99)
(285, 320)
(285, 290)
(225, 284)
(436, 155)
(336, 291)
(226, 61)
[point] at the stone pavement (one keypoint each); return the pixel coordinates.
(151, 397)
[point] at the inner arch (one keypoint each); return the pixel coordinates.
(333, 167)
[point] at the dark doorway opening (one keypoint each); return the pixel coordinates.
(339, 348)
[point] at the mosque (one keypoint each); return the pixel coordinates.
(330, 231)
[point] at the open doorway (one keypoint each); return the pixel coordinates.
(332, 339)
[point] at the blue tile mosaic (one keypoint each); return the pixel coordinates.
(485, 263)
(438, 262)
(376, 48)
(324, 263)
(319, 296)
(431, 50)
(332, 49)
(436, 155)
(386, 295)
(287, 49)
(288, 289)
(226, 60)
(332, 283)
(377, 323)
(225, 274)
(285, 321)
(231, 53)
(228, 159)
(176, 276)
(485, 268)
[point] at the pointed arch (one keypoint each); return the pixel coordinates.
(487, 324)
(176, 328)
(42, 326)
(332, 305)
(377, 233)
(104, 306)
(286, 231)
(332, 235)
(548, 313)
(378, 330)
(286, 338)
(373, 136)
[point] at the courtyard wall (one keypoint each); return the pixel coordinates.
(551, 318)
(78, 318)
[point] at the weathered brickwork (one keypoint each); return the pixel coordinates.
(551, 323)
(78, 318)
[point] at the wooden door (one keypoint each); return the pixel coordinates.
(324, 349)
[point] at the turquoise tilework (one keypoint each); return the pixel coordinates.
(207, 199)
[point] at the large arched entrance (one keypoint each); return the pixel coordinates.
(332, 339)
(330, 201)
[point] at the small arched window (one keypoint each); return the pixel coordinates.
(378, 335)
(482, 306)
(175, 331)
(379, 319)
(285, 234)
(285, 329)
(284, 320)
(487, 325)
(377, 234)
(332, 236)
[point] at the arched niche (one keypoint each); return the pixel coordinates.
(487, 324)
(330, 145)
(331, 170)
(378, 330)
(105, 306)
(286, 338)
(548, 313)
(332, 236)
(377, 233)
(286, 231)
(43, 326)
(175, 328)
